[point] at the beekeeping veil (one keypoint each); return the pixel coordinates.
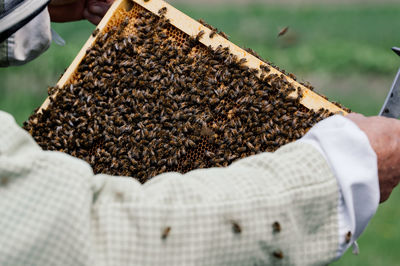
(24, 30)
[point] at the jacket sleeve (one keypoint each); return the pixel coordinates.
(270, 208)
(354, 164)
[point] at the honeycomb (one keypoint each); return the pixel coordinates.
(147, 98)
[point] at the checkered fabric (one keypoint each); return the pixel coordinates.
(274, 208)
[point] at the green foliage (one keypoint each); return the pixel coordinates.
(344, 51)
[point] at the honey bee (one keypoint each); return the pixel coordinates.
(162, 11)
(278, 254)
(276, 227)
(348, 237)
(95, 32)
(241, 149)
(236, 228)
(224, 35)
(199, 35)
(212, 33)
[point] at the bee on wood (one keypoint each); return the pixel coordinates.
(95, 32)
(209, 154)
(242, 61)
(162, 11)
(199, 35)
(265, 68)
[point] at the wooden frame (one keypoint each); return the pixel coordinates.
(310, 99)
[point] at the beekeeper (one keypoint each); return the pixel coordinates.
(304, 204)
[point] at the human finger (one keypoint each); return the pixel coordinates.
(95, 19)
(98, 8)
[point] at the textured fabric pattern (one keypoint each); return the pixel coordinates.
(54, 211)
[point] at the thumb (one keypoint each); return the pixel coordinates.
(98, 8)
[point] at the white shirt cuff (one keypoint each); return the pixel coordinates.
(354, 163)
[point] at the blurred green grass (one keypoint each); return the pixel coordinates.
(344, 51)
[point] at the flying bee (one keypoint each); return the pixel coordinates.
(206, 131)
(299, 93)
(283, 31)
(209, 154)
(250, 146)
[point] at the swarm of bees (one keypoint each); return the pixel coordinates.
(142, 104)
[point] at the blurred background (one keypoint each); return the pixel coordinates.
(341, 47)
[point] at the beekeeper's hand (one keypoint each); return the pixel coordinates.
(71, 10)
(384, 136)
